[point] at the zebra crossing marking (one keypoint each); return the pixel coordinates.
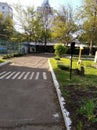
(10, 75)
(23, 75)
(2, 73)
(15, 76)
(37, 76)
(5, 75)
(44, 76)
(31, 76)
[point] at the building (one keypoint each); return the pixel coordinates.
(47, 13)
(45, 8)
(5, 9)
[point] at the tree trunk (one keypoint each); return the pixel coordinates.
(91, 47)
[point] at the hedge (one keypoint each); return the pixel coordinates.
(50, 49)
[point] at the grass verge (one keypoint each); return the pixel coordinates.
(80, 93)
(2, 60)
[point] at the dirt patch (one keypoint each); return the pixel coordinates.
(77, 98)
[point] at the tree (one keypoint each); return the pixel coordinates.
(88, 14)
(6, 27)
(25, 20)
(64, 25)
(31, 24)
(9, 27)
(46, 14)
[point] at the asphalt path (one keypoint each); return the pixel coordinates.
(28, 98)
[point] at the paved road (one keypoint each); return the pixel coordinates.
(27, 96)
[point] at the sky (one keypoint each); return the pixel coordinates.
(53, 3)
(56, 4)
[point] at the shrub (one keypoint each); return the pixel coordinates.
(63, 67)
(5, 57)
(59, 50)
(12, 55)
(16, 54)
(57, 58)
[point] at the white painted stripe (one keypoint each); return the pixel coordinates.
(37, 76)
(44, 76)
(5, 75)
(67, 120)
(10, 75)
(21, 75)
(31, 76)
(16, 75)
(25, 77)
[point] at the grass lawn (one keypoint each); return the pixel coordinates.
(80, 93)
(2, 60)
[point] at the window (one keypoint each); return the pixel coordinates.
(3, 7)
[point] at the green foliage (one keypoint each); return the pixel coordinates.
(78, 89)
(63, 67)
(64, 25)
(2, 60)
(57, 58)
(79, 126)
(59, 50)
(87, 109)
(90, 72)
(7, 56)
(88, 14)
(34, 26)
(6, 27)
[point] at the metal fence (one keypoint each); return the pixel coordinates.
(7, 47)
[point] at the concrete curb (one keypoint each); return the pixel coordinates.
(1, 64)
(62, 103)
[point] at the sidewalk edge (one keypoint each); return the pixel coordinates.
(62, 103)
(1, 64)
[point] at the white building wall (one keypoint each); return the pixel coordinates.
(5, 9)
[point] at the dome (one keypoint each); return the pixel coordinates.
(46, 4)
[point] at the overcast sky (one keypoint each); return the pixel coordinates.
(53, 3)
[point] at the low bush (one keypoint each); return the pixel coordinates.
(16, 54)
(12, 55)
(59, 50)
(5, 57)
(57, 58)
(63, 67)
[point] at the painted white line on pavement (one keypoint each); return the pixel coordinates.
(16, 75)
(31, 76)
(25, 77)
(5, 75)
(10, 75)
(37, 76)
(21, 75)
(44, 76)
